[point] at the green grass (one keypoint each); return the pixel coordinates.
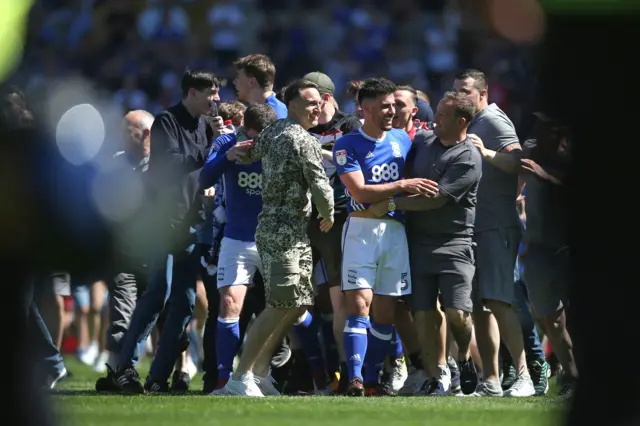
(79, 403)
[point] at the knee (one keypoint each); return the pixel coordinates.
(554, 322)
(357, 304)
(230, 304)
(457, 317)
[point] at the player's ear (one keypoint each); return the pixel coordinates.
(326, 97)
(414, 111)
(483, 94)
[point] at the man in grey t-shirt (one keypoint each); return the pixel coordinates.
(497, 235)
(440, 231)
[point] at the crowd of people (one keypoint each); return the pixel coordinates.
(306, 250)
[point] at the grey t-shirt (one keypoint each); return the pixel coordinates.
(498, 190)
(546, 204)
(457, 170)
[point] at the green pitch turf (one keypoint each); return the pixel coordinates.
(79, 404)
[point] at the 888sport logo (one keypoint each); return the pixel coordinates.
(252, 182)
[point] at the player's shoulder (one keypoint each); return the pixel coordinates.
(467, 152)
(399, 135)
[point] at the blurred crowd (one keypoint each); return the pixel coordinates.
(136, 50)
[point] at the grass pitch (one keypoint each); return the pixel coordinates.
(79, 404)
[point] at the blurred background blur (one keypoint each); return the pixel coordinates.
(134, 51)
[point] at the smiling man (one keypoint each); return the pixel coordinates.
(292, 173)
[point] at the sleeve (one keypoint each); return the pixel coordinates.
(217, 162)
(498, 133)
(459, 176)
(166, 152)
(344, 157)
(314, 174)
(256, 151)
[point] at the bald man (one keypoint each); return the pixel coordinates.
(127, 198)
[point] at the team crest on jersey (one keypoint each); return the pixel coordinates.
(395, 149)
(341, 157)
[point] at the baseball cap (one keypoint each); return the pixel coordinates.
(425, 113)
(325, 85)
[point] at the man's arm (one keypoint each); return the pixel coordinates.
(314, 174)
(500, 147)
(354, 182)
(456, 181)
(217, 162)
(166, 149)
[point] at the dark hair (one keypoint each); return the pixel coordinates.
(414, 92)
(199, 80)
(259, 67)
(462, 105)
(479, 79)
(258, 116)
(293, 89)
(353, 87)
(15, 110)
(374, 87)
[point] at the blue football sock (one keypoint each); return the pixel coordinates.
(227, 339)
(378, 347)
(395, 345)
(307, 332)
(355, 344)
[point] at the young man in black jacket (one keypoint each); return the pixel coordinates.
(180, 137)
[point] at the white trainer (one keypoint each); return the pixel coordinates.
(266, 385)
(246, 386)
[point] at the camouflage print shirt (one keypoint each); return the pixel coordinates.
(292, 174)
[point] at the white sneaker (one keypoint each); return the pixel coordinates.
(191, 368)
(246, 386)
(89, 354)
(414, 381)
(443, 382)
(53, 381)
(522, 387)
(398, 374)
(485, 388)
(266, 385)
(100, 365)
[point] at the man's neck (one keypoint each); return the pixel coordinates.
(327, 113)
(454, 141)
(409, 126)
(373, 131)
(259, 96)
(482, 106)
(189, 109)
(293, 118)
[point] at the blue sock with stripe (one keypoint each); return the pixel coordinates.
(378, 346)
(355, 344)
(395, 345)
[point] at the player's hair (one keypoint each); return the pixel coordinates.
(423, 96)
(258, 116)
(414, 92)
(374, 87)
(233, 111)
(199, 80)
(479, 79)
(353, 86)
(259, 67)
(293, 89)
(462, 105)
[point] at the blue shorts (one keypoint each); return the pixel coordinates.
(82, 296)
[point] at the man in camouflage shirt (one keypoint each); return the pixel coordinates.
(292, 175)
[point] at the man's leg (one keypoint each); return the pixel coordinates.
(142, 322)
(52, 362)
(288, 291)
(210, 363)
(173, 336)
(497, 251)
(547, 278)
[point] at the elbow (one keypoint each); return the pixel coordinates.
(362, 197)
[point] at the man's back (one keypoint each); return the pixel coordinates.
(284, 148)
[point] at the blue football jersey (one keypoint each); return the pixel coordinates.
(380, 161)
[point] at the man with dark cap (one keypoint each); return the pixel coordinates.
(332, 125)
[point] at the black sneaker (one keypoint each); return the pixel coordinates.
(455, 375)
(539, 371)
(468, 376)
(156, 386)
(282, 356)
(355, 387)
(129, 381)
(509, 375)
(180, 381)
(108, 384)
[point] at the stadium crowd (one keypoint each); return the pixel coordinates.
(339, 236)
